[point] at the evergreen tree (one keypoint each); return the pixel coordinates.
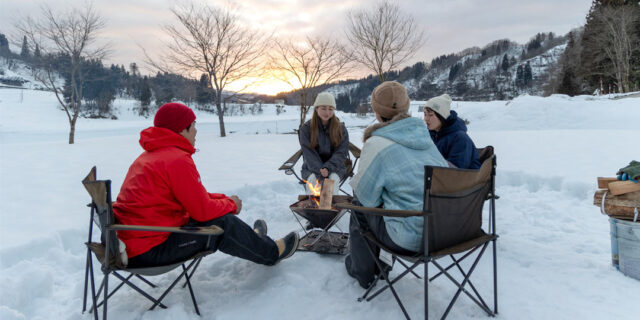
(36, 52)
(204, 93)
(505, 63)
(453, 72)
(145, 96)
(4, 45)
(24, 52)
(527, 75)
(520, 76)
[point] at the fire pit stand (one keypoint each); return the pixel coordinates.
(319, 239)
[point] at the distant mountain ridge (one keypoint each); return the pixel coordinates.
(500, 70)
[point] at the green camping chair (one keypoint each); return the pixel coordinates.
(109, 256)
(452, 211)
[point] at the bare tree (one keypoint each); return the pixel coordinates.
(619, 40)
(306, 65)
(71, 36)
(383, 38)
(212, 41)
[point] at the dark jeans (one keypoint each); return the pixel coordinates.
(362, 265)
(238, 240)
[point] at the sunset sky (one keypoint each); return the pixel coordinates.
(450, 26)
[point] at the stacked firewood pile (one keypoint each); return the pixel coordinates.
(618, 199)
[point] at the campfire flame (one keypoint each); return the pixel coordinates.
(315, 190)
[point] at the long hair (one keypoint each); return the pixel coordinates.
(335, 130)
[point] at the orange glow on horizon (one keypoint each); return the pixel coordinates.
(265, 85)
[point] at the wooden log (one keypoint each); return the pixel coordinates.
(326, 195)
(622, 187)
(603, 182)
(612, 210)
(625, 200)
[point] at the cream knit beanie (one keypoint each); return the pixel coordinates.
(325, 99)
(440, 104)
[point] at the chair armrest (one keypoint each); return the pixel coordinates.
(291, 161)
(379, 211)
(354, 150)
(208, 231)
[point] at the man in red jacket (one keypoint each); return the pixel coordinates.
(163, 188)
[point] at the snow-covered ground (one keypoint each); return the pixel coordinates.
(553, 251)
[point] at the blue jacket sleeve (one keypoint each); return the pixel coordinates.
(461, 151)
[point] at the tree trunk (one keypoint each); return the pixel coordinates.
(303, 108)
(72, 130)
(220, 114)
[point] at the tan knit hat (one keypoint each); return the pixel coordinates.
(389, 99)
(325, 99)
(440, 104)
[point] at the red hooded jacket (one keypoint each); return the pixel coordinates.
(163, 188)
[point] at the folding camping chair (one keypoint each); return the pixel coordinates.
(288, 165)
(108, 252)
(452, 211)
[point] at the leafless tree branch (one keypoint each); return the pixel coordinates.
(383, 38)
(71, 34)
(213, 41)
(309, 64)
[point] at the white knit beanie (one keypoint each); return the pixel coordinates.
(325, 99)
(440, 104)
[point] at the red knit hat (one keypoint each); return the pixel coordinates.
(174, 116)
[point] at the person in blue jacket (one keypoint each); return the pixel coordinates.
(449, 133)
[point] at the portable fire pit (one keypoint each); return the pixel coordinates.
(319, 238)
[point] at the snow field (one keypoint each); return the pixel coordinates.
(553, 250)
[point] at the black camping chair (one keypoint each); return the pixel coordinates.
(288, 165)
(108, 252)
(452, 211)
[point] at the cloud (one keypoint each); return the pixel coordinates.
(450, 26)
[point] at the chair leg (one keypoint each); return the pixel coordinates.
(371, 286)
(464, 282)
(184, 272)
(106, 289)
(134, 287)
(407, 267)
(395, 294)
(470, 283)
(86, 281)
(93, 291)
(192, 272)
(396, 279)
(114, 290)
(193, 297)
(426, 290)
(495, 279)
(452, 265)
(143, 279)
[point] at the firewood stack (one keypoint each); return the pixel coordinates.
(618, 199)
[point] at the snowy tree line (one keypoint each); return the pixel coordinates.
(604, 55)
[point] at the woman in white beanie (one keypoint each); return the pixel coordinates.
(325, 143)
(449, 133)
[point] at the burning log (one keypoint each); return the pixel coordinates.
(326, 195)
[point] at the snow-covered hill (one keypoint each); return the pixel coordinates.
(553, 251)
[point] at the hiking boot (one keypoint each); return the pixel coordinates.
(290, 245)
(260, 227)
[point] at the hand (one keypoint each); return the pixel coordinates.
(324, 172)
(238, 203)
